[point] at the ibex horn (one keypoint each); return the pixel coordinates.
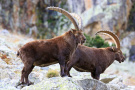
(66, 14)
(113, 36)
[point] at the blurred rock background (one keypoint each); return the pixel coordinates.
(23, 20)
(31, 17)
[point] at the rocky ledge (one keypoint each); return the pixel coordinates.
(78, 83)
(114, 78)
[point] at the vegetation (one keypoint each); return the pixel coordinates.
(52, 73)
(96, 42)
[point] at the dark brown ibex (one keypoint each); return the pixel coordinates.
(56, 50)
(95, 60)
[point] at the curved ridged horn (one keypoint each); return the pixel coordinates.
(66, 14)
(113, 36)
(79, 20)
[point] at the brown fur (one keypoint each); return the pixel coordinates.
(94, 60)
(47, 52)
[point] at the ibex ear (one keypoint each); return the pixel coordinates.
(113, 49)
(74, 32)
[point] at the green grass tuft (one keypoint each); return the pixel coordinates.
(52, 73)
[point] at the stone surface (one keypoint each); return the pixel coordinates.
(11, 72)
(132, 53)
(76, 6)
(32, 18)
(107, 16)
(127, 44)
(68, 83)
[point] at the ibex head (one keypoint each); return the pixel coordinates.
(118, 53)
(78, 29)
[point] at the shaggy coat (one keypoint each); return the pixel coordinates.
(94, 60)
(46, 52)
(56, 50)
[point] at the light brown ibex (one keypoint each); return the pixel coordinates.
(95, 60)
(56, 50)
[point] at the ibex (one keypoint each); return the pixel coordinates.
(95, 60)
(56, 50)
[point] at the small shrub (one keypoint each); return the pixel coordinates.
(96, 42)
(52, 73)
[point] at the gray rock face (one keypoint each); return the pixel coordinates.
(76, 6)
(132, 53)
(103, 14)
(33, 18)
(91, 84)
(29, 16)
(128, 45)
(68, 84)
(126, 42)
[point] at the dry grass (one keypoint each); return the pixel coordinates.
(6, 59)
(52, 73)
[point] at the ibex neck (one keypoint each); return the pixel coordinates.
(70, 39)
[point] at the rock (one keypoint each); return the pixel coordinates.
(132, 53)
(114, 87)
(88, 4)
(8, 84)
(4, 32)
(126, 42)
(91, 16)
(7, 73)
(44, 68)
(128, 45)
(90, 84)
(77, 6)
(29, 16)
(116, 84)
(54, 67)
(116, 80)
(33, 31)
(2, 62)
(68, 84)
(108, 79)
(130, 88)
(104, 15)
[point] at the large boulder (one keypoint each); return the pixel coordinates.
(68, 84)
(76, 83)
